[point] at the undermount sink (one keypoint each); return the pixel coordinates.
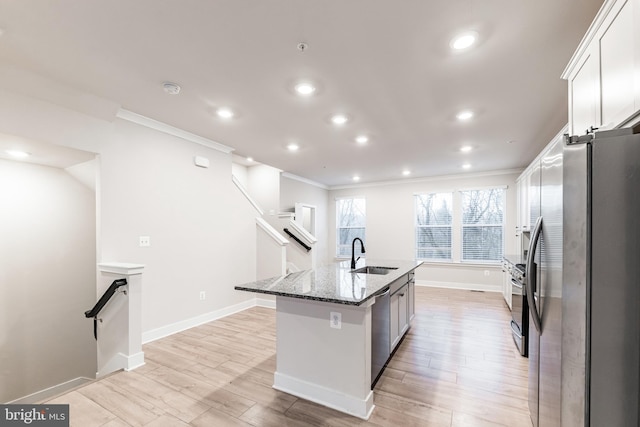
(372, 269)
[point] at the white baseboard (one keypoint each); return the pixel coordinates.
(116, 363)
(134, 361)
(268, 303)
(50, 392)
(183, 325)
(361, 408)
(459, 285)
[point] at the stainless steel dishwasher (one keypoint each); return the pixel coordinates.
(380, 335)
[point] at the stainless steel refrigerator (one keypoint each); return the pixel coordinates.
(584, 265)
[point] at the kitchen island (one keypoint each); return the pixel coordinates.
(324, 328)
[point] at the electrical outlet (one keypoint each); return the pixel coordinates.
(335, 320)
(145, 241)
(203, 295)
(486, 272)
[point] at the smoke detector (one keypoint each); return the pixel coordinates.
(171, 88)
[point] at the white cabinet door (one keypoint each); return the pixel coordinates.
(394, 318)
(412, 299)
(403, 310)
(583, 94)
(505, 273)
(617, 72)
(399, 312)
(506, 284)
(604, 73)
(523, 199)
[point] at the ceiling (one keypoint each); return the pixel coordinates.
(386, 64)
(42, 153)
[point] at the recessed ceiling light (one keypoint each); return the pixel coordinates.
(305, 88)
(224, 113)
(464, 115)
(18, 154)
(171, 88)
(362, 139)
(464, 40)
(339, 119)
(466, 148)
(293, 147)
(356, 178)
(249, 159)
(406, 172)
(466, 166)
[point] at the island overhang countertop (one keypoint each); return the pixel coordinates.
(335, 282)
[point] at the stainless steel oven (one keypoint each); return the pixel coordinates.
(519, 309)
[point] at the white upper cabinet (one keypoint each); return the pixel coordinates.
(583, 95)
(523, 220)
(617, 65)
(604, 73)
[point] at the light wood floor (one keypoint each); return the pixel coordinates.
(457, 366)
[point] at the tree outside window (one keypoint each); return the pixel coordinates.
(482, 225)
(350, 221)
(433, 226)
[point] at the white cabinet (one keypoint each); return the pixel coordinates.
(401, 308)
(523, 220)
(584, 94)
(394, 319)
(617, 61)
(506, 284)
(412, 298)
(604, 73)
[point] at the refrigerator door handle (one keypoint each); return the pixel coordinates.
(530, 276)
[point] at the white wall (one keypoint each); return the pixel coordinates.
(202, 230)
(264, 188)
(294, 191)
(47, 279)
(390, 232)
(241, 173)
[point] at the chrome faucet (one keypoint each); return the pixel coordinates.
(353, 252)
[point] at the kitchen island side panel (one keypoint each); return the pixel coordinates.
(320, 363)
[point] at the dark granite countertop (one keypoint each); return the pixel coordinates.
(334, 283)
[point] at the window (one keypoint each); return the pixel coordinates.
(482, 225)
(350, 223)
(460, 226)
(433, 226)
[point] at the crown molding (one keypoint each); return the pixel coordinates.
(428, 179)
(170, 130)
(305, 180)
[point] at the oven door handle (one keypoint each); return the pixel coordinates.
(516, 284)
(515, 329)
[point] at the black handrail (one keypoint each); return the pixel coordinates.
(104, 299)
(304, 245)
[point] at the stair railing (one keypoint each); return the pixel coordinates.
(104, 299)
